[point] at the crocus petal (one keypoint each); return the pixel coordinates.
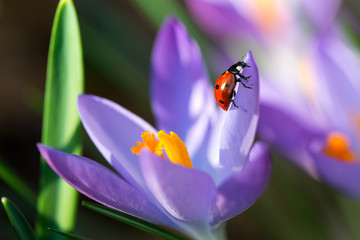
(185, 193)
(344, 177)
(181, 92)
(114, 130)
(288, 134)
(102, 185)
(220, 18)
(288, 127)
(339, 86)
(322, 12)
(240, 123)
(244, 187)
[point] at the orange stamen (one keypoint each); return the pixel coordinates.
(150, 143)
(338, 146)
(173, 146)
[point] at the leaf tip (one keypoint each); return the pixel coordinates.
(63, 3)
(4, 200)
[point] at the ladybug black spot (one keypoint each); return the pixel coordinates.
(217, 86)
(227, 85)
(220, 101)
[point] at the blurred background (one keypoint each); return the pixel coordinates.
(117, 40)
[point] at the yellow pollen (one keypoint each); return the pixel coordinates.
(173, 146)
(150, 143)
(337, 145)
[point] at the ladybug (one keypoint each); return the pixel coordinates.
(225, 84)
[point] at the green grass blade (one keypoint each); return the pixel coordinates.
(14, 181)
(57, 201)
(18, 221)
(68, 235)
(133, 221)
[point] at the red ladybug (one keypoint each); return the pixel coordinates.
(224, 86)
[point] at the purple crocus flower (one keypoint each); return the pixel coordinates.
(321, 131)
(310, 99)
(194, 186)
(270, 19)
(276, 30)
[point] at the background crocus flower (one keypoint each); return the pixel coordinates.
(321, 134)
(193, 186)
(264, 20)
(278, 32)
(305, 57)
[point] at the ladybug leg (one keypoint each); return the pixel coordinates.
(233, 102)
(233, 93)
(245, 85)
(243, 77)
(239, 80)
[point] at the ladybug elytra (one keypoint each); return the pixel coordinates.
(225, 84)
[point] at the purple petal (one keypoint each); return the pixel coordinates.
(220, 18)
(339, 85)
(102, 185)
(322, 12)
(181, 92)
(244, 187)
(345, 177)
(288, 134)
(114, 130)
(184, 192)
(288, 127)
(239, 126)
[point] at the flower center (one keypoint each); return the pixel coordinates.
(171, 144)
(150, 143)
(270, 15)
(338, 146)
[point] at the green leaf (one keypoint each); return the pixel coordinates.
(133, 221)
(57, 202)
(67, 235)
(18, 221)
(13, 180)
